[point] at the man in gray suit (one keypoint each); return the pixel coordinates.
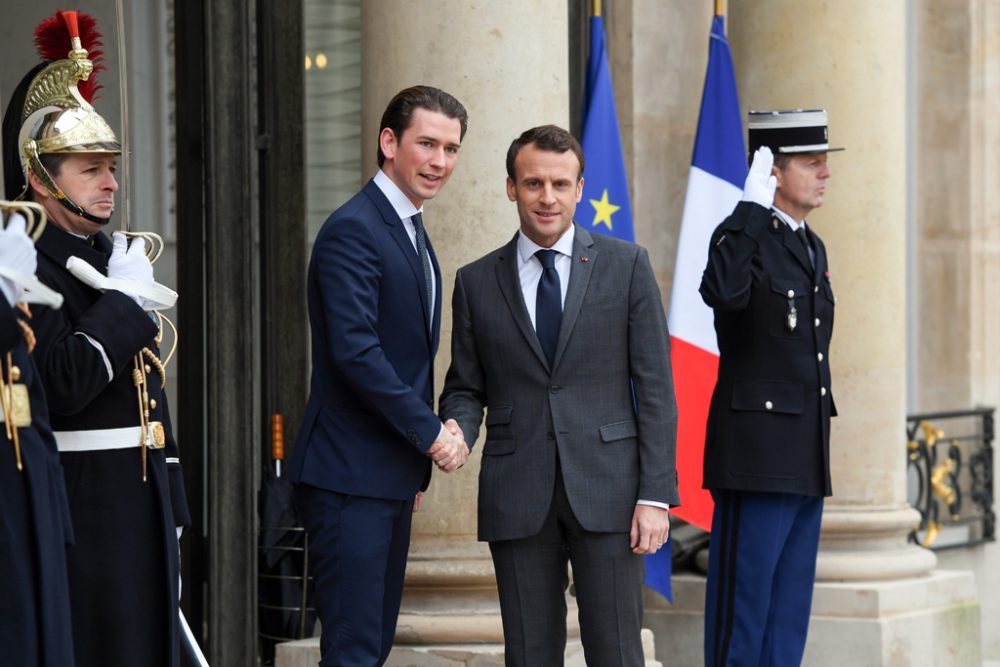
(561, 335)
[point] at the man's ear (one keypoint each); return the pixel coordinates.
(36, 186)
(387, 142)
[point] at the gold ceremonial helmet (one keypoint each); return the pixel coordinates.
(56, 117)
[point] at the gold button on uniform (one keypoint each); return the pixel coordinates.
(820, 356)
(768, 404)
(817, 322)
(815, 289)
(822, 391)
(152, 404)
(791, 294)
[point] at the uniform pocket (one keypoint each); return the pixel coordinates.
(777, 396)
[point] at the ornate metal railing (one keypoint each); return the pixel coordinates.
(950, 477)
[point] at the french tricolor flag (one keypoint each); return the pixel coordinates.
(718, 169)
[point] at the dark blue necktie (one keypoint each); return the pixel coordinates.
(425, 259)
(548, 305)
(804, 240)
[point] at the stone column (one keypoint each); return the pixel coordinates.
(508, 64)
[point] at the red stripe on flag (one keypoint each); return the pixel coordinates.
(695, 372)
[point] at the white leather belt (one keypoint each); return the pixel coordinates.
(105, 438)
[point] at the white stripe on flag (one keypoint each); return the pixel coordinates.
(709, 200)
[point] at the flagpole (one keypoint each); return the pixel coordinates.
(597, 7)
(720, 7)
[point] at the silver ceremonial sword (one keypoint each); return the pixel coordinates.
(191, 647)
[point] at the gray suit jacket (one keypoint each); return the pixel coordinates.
(612, 450)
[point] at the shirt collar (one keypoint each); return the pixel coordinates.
(403, 207)
(791, 222)
(526, 248)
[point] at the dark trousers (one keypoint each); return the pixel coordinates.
(532, 579)
(357, 556)
(761, 570)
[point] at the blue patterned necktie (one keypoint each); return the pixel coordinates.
(425, 259)
(548, 305)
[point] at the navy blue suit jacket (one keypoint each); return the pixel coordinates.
(370, 418)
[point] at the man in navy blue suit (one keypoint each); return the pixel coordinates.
(370, 434)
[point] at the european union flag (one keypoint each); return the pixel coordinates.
(605, 207)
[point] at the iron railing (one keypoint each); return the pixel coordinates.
(950, 477)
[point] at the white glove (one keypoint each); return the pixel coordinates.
(128, 262)
(17, 257)
(761, 183)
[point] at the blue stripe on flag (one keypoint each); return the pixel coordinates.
(719, 148)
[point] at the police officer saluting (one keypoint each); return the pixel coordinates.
(99, 362)
(767, 457)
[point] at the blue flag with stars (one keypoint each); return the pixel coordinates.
(605, 207)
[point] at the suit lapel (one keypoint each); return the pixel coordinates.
(399, 235)
(510, 286)
(584, 256)
(791, 242)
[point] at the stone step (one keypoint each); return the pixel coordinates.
(305, 653)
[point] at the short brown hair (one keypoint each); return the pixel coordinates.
(547, 138)
(398, 115)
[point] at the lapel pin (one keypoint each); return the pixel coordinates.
(584, 259)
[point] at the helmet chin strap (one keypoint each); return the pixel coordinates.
(73, 207)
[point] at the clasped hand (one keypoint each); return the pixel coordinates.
(17, 254)
(128, 262)
(449, 452)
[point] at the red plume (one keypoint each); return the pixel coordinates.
(52, 38)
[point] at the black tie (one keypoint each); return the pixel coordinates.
(425, 259)
(548, 305)
(801, 233)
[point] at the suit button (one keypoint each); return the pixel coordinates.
(550, 435)
(822, 391)
(820, 356)
(791, 294)
(412, 435)
(816, 321)
(768, 404)
(555, 389)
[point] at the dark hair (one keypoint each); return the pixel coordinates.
(398, 115)
(781, 160)
(13, 175)
(545, 138)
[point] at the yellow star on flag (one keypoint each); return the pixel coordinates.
(603, 209)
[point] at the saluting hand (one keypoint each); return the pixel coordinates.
(761, 183)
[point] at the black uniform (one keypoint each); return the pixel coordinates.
(34, 528)
(769, 420)
(123, 569)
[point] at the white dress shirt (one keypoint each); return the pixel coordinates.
(405, 209)
(529, 270)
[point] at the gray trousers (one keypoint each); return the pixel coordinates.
(532, 579)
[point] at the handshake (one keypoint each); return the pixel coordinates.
(449, 452)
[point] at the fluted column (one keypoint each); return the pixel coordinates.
(849, 57)
(508, 64)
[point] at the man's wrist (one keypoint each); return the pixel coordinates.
(653, 503)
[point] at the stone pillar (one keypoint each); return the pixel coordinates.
(508, 64)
